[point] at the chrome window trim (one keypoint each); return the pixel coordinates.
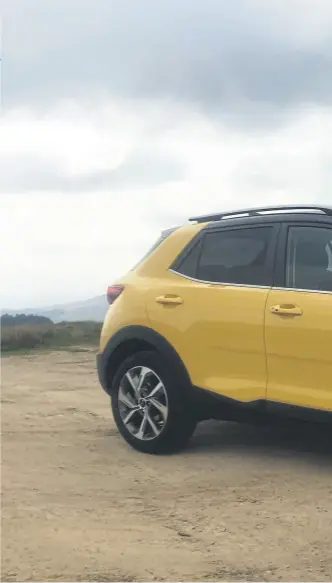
(221, 283)
(246, 285)
(310, 291)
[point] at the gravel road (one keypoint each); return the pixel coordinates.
(241, 503)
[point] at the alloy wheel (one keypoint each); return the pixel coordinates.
(143, 403)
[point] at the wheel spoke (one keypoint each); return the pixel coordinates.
(142, 428)
(144, 372)
(155, 390)
(126, 399)
(130, 415)
(132, 384)
(152, 424)
(159, 406)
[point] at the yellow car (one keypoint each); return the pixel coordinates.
(227, 317)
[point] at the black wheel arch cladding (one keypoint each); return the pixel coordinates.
(138, 338)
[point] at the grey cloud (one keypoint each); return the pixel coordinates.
(227, 57)
(262, 177)
(138, 170)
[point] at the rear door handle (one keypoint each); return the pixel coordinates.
(286, 310)
(169, 300)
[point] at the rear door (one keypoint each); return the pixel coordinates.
(211, 308)
(299, 319)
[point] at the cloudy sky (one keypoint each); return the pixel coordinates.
(123, 117)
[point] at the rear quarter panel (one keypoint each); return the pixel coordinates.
(130, 308)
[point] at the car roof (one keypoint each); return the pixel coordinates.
(280, 213)
(263, 215)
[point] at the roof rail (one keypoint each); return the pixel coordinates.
(262, 210)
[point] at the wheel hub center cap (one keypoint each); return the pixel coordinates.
(142, 403)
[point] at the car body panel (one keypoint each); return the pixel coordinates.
(128, 309)
(299, 350)
(218, 331)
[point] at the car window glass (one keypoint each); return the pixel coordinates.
(236, 256)
(329, 254)
(309, 258)
(188, 265)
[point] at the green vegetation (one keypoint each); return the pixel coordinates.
(19, 319)
(36, 334)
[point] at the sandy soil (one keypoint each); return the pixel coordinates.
(240, 503)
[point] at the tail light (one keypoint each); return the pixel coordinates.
(113, 292)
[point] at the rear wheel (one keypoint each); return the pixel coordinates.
(149, 406)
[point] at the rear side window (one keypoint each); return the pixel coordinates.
(189, 264)
(239, 256)
(309, 258)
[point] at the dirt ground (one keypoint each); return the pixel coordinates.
(241, 503)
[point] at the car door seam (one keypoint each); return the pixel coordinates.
(265, 343)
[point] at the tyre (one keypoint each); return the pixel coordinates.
(149, 406)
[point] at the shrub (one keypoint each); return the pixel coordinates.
(19, 319)
(49, 335)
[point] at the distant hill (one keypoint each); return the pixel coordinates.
(89, 310)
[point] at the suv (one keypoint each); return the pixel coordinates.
(228, 317)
